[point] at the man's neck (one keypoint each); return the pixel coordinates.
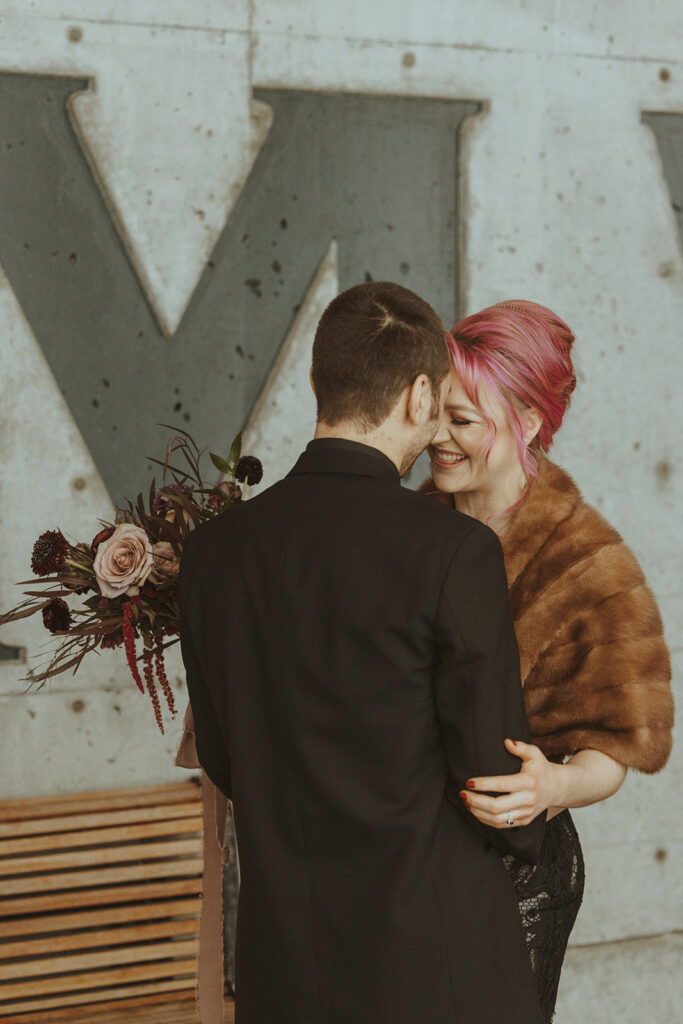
(377, 438)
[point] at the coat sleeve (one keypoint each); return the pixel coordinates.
(478, 687)
(210, 739)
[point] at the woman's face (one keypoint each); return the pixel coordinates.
(458, 451)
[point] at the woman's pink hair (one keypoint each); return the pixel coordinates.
(520, 351)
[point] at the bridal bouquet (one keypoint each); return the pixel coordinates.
(127, 577)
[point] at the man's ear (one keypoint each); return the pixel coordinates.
(532, 422)
(310, 377)
(419, 400)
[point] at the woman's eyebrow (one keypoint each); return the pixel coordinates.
(458, 407)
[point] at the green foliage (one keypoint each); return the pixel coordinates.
(221, 465)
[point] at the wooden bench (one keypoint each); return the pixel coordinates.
(100, 895)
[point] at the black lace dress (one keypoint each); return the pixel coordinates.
(550, 895)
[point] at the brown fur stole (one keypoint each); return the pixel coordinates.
(595, 667)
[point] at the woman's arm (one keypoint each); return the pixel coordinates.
(540, 785)
(477, 689)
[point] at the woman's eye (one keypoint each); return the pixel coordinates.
(460, 423)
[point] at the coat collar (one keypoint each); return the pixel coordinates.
(552, 498)
(337, 455)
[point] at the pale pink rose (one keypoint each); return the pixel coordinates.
(166, 562)
(124, 561)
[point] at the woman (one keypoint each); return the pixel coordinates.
(595, 667)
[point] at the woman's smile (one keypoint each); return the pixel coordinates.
(446, 459)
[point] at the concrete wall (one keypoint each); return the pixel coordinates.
(184, 186)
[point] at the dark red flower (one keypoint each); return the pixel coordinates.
(56, 616)
(129, 641)
(226, 491)
(216, 502)
(112, 639)
(163, 504)
(101, 537)
(232, 491)
(249, 470)
(163, 678)
(49, 552)
(148, 670)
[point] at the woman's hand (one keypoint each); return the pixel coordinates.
(535, 788)
(540, 785)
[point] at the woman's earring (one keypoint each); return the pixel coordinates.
(523, 479)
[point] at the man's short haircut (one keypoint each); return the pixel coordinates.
(371, 343)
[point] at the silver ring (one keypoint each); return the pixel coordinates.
(511, 820)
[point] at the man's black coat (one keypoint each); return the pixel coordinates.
(350, 662)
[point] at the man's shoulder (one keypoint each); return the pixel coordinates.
(238, 516)
(206, 534)
(417, 509)
(418, 514)
(439, 516)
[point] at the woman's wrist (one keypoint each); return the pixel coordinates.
(562, 776)
(586, 778)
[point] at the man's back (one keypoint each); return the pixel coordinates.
(350, 663)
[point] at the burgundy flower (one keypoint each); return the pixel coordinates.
(148, 671)
(226, 491)
(163, 504)
(112, 639)
(101, 537)
(249, 470)
(163, 678)
(216, 502)
(129, 642)
(56, 616)
(49, 552)
(232, 491)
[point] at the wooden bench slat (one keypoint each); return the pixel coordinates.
(143, 890)
(174, 1000)
(64, 965)
(77, 822)
(102, 876)
(138, 852)
(42, 945)
(97, 836)
(98, 800)
(94, 980)
(104, 915)
(100, 895)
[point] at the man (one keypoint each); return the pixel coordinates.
(351, 662)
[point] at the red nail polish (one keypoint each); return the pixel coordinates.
(470, 783)
(463, 797)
